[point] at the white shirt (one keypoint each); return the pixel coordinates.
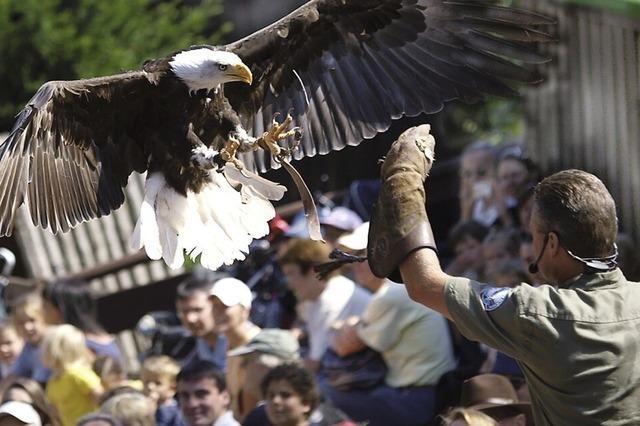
(341, 299)
(226, 420)
(413, 339)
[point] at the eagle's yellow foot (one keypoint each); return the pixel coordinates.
(269, 140)
(228, 153)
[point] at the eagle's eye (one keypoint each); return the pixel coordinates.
(222, 67)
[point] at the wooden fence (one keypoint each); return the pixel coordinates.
(91, 244)
(587, 113)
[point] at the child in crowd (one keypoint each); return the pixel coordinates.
(28, 318)
(73, 389)
(158, 375)
(498, 246)
(465, 239)
(508, 273)
(291, 395)
(112, 375)
(10, 346)
(131, 407)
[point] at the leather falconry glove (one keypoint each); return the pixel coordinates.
(399, 223)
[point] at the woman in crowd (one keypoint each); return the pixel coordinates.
(71, 302)
(26, 390)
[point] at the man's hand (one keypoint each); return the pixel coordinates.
(400, 234)
(346, 340)
(399, 223)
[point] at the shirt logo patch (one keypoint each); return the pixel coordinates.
(493, 297)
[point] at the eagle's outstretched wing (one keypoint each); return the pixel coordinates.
(71, 150)
(363, 63)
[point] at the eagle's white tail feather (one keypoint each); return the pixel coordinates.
(217, 224)
(222, 192)
(145, 233)
(171, 253)
(252, 211)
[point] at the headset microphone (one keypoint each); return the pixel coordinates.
(533, 268)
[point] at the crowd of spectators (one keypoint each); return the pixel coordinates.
(276, 343)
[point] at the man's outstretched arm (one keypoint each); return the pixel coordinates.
(425, 280)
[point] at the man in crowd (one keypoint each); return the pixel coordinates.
(320, 302)
(578, 343)
(203, 396)
(268, 349)
(413, 341)
(231, 300)
(196, 315)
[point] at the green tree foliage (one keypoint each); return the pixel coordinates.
(43, 40)
(494, 120)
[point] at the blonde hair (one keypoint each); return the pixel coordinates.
(470, 416)
(31, 303)
(161, 366)
(63, 346)
(8, 326)
(131, 408)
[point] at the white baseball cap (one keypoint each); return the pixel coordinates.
(356, 240)
(342, 218)
(231, 292)
(20, 411)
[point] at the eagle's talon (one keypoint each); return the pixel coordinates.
(228, 153)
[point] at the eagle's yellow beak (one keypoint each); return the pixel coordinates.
(241, 72)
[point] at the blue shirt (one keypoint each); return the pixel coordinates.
(203, 352)
(29, 364)
(109, 349)
(169, 415)
(506, 365)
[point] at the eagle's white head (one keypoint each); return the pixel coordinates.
(205, 68)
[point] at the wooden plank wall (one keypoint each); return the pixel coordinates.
(91, 244)
(587, 113)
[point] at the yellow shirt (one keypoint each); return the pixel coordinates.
(71, 393)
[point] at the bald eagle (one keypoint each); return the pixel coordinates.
(201, 121)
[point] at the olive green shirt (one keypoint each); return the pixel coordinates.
(578, 346)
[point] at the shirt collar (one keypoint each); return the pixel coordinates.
(595, 280)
